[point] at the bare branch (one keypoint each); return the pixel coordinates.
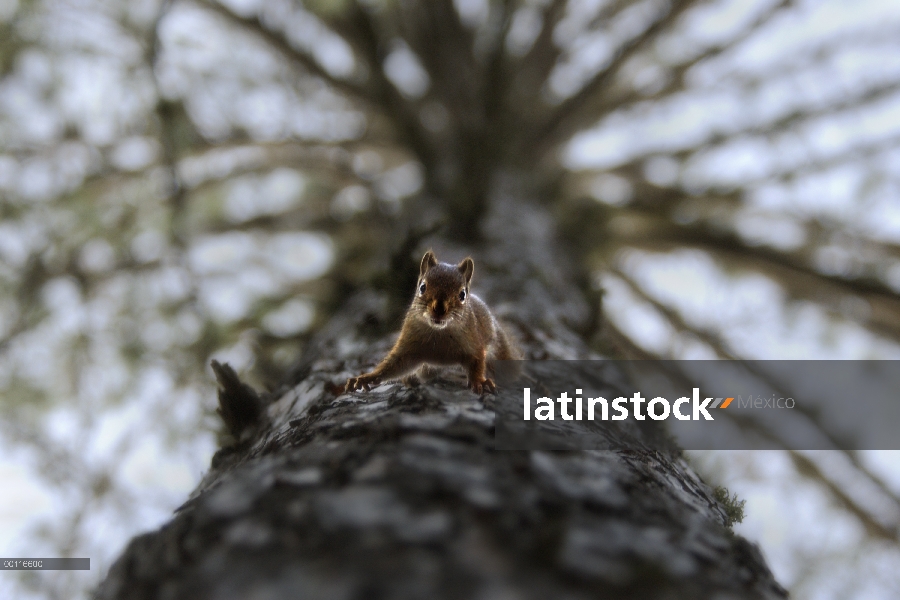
(804, 465)
(623, 346)
(445, 47)
(792, 271)
(823, 51)
(279, 43)
(167, 113)
(874, 528)
(565, 119)
(784, 123)
(533, 68)
(676, 75)
(788, 124)
(359, 28)
(496, 77)
(708, 337)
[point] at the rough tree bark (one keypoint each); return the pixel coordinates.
(399, 493)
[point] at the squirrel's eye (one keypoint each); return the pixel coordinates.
(422, 288)
(462, 295)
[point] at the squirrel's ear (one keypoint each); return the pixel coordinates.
(428, 261)
(467, 267)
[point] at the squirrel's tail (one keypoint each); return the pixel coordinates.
(506, 348)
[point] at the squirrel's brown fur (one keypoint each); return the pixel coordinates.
(444, 325)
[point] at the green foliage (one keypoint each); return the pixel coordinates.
(733, 507)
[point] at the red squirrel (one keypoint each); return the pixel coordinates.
(444, 325)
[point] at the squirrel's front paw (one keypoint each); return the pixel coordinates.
(363, 382)
(486, 385)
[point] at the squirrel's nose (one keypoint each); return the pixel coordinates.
(439, 308)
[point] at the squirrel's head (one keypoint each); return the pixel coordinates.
(442, 290)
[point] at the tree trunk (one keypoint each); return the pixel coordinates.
(399, 492)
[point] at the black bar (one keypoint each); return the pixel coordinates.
(45, 564)
(749, 405)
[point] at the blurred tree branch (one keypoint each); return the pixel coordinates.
(81, 227)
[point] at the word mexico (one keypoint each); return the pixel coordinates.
(657, 409)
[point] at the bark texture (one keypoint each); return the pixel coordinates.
(399, 492)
